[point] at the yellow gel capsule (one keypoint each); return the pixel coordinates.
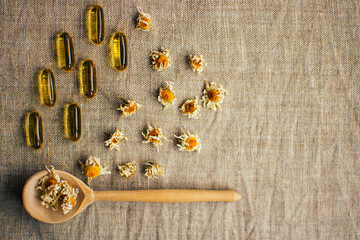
(87, 78)
(72, 122)
(65, 51)
(95, 24)
(118, 51)
(34, 130)
(47, 88)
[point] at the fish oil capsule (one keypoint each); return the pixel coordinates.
(87, 78)
(34, 130)
(47, 89)
(95, 24)
(118, 51)
(65, 51)
(72, 122)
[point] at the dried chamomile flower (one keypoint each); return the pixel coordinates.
(167, 95)
(56, 192)
(68, 196)
(188, 142)
(197, 63)
(113, 142)
(127, 170)
(143, 21)
(154, 135)
(213, 95)
(161, 60)
(50, 179)
(92, 168)
(153, 170)
(191, 108)
(128, 108)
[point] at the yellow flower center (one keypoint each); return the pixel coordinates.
(144, 23)
(213, 95)
(154, 133)
(49, 182)
(72, 201)
(162, 61)
(131, 109)
(167, 96)
(197, 64)
(191, 143)
(190, 107)
(92, 171)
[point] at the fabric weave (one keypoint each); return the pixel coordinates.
(287, 138)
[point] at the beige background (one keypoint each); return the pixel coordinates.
(287, 138)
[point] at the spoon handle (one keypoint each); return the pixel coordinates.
(167, 195)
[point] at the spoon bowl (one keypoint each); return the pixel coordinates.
(32, 204)
(86, 196)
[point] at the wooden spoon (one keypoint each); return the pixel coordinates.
(86, 196)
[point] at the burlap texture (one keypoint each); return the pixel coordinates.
(287, 138)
